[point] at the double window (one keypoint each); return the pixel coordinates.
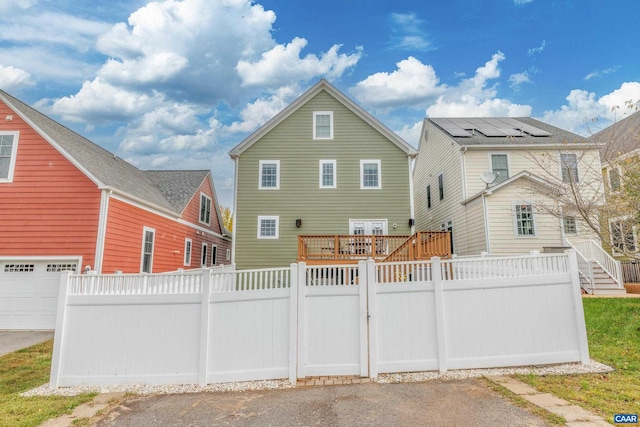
(569, 167)
(327, 176)
(323, 125)
(269, 175)
(370, 174)
(268, 227)
(8, 152)
(525, 225)
(205, 209)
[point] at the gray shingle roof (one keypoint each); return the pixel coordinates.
(619, 138)
(178, 186)
(109, 170)
(477, 138)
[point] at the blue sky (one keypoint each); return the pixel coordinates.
(176, 84)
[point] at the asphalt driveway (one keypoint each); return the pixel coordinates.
(11, 341)
(434, 403)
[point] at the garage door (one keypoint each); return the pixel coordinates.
(29, 292)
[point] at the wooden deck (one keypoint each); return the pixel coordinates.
(349, 249)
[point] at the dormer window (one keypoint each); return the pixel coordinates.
(323, 125)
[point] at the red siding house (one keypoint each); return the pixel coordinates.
(68, 204)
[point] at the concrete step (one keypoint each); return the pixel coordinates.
(604, 291)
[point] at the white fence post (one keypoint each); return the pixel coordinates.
(204, 326)
(61, 314)
(583, 344)
(363, 284)
(293, 323)
(372, 285)
(302, 285)
(438, 293)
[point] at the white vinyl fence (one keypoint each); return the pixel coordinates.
(214, 326)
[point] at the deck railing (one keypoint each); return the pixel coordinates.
(320, 249)
(423, 245)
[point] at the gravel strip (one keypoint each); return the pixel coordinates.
(565, 369)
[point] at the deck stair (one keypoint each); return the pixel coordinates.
(600, 273)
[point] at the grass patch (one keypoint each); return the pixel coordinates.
(22, 371)
(551, 419)
(613, 331)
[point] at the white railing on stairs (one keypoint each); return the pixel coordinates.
(591, 251)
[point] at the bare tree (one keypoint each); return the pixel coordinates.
(599, 184)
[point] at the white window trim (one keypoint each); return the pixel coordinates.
(204, 196)
(321, 163)
(515, 220)
(267, 217)
(203, 254)
(634, 231)
(214, 251)
(14, 156)
(269, 162)
(564, 229)
(362, 163)
(579, 178)
(153, 245)
(323, 113)
(500, 153)
(188, 254)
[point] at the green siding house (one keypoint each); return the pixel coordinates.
(322, 166)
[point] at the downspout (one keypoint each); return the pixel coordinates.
(102, 230)
(487, 237)
(463, 171)
(411, 202)
(234, 232)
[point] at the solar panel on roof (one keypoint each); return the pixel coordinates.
(451, 127)
(487, 131)
(532, 130)
(511, 131)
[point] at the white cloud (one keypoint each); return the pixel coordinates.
(9, 6)
(519, 2)
(517, 79)
(538, 49)
(407, 34)
(474, 98)
(100, 102)
(583, 108)
(258, 112)
(411, 133)
(600, 73)
(412, 84)
(13, 78)
(283, 64)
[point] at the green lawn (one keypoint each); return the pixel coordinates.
(22, 371)
(613, 330)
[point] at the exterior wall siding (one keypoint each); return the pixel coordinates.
(502, 227)
(474, 240)
(439, 155)
(322, 211)
(123, 242)
(50, 208)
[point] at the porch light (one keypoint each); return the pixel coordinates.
(298, 222)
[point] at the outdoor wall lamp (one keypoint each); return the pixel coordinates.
(298, 222)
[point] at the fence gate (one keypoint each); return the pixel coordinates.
(332, 322)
